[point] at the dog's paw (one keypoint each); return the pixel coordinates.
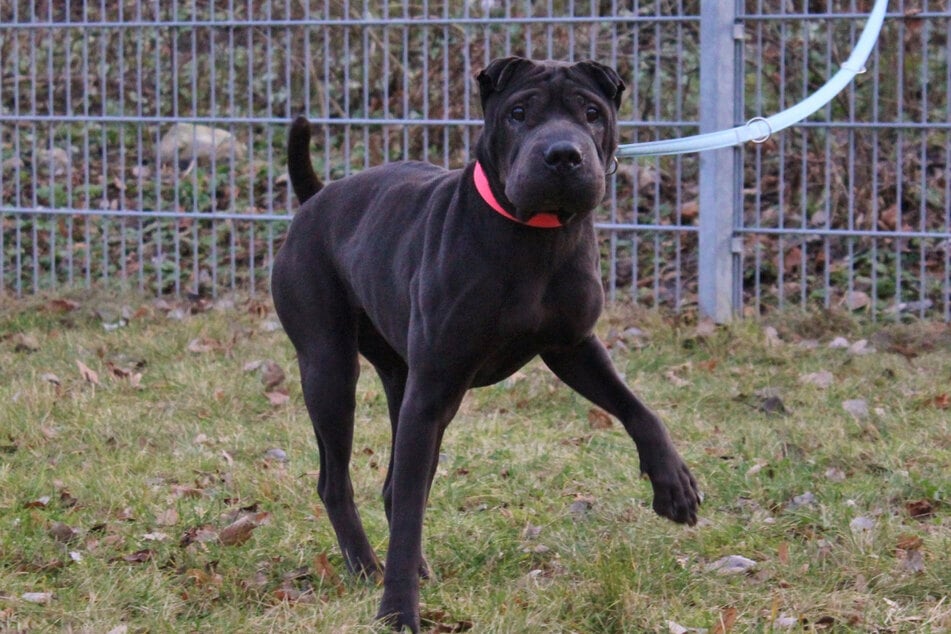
(399, 617)
(676, 494)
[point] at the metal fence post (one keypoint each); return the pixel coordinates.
(720, 170)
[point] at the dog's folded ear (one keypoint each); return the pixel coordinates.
(497, 74)
(606, 77)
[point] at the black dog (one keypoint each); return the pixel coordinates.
(447, 280)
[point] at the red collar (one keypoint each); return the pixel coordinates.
(540, 221)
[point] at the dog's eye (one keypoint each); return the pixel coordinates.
(518, 113)
(592, 114)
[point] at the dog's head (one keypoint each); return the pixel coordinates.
(550, 133)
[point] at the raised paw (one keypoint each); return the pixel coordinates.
(676, 494)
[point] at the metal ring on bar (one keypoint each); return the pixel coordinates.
(769, 130)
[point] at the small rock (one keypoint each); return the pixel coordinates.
(276, 454)
(821, 379)
(839, 342)
(186, 142)
(861, 525)
(856, 407)
(37, 597)
(801, 501)
(731, 565)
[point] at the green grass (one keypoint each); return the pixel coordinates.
(182, 449)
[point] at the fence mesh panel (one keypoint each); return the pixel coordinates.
(143, 141)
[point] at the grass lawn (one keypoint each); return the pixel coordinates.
(157, 474)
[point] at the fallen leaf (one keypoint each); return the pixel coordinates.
(239, 531)
(920, 509)
(441, 622)
(941, 401)
(89, 376)
(251, 366)
(181, 491)
(62, 305)
(38, 503)
(198, 534)
(599, 419)
(277, 398)
(835, 474)
(912, 561)
(726, 621)
(62, 532)
(202, 345)
(272, 375)
(676, 628)
(676, 380)
(139, 556)
(581, 506)
(327, 574)
(49, 377)
(23, 342)
(783, 553)
(168, 517)
(731, 565)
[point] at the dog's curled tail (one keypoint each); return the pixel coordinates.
(299, 167)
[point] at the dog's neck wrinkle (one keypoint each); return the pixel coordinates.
(482, 185)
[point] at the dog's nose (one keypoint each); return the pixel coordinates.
(563, 156)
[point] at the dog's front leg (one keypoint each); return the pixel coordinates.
(588, 370)
(428, 406)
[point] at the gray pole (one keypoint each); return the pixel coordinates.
(720, 170)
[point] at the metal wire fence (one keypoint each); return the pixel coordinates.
(142, 141)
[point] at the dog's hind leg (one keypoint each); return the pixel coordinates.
(392, 371)
(324, 331)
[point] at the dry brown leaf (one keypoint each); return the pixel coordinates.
(239, 531)
(327, 574)
(89, 376)
(599, 419)
(202, 345)
(783, 553)
(726, 621)
(272, 375)
(168, 517)
(941, 401)
(139, 556)
(198, 534)
(920, 509)
(909, 542)
(62, 305)
(62, 532)
(278, 397)
(23, 342)
(38, 503)
(181, 491)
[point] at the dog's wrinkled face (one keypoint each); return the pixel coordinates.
(550, 133)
